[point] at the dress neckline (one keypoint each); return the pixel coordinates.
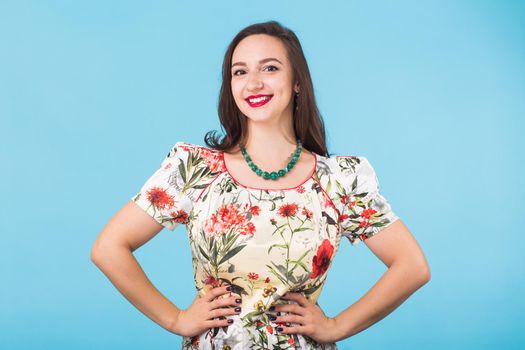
(310, 176)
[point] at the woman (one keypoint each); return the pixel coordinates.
(264, 215)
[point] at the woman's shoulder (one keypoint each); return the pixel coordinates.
(185, 146)
(349, 164)
(196, 156)
(342, 164)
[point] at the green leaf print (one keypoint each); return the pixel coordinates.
(298, 262)
(354, 184)
(204, 253)
(231, 253)
(182, 171)
(278, 275)
(277, 245)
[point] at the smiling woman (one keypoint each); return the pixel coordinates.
(264, 217)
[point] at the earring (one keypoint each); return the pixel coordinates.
(296, 104)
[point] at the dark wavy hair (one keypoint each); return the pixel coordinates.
(307, 121)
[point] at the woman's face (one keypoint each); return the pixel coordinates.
(260, 68)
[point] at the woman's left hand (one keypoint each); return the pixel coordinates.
(306, 318)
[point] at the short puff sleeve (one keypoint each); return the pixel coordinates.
(365, 211)
(164, 194)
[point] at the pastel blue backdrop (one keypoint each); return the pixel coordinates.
(94, 93)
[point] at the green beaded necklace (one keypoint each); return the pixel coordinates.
(274, 175)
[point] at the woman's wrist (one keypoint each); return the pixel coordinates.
(338, 331)
(172, 320)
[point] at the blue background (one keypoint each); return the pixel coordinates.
(93, 94)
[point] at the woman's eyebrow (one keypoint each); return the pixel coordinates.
(264, 60)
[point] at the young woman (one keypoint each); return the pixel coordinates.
(265, 208)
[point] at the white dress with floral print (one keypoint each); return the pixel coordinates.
(264, 242)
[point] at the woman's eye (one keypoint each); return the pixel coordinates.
(240, 70)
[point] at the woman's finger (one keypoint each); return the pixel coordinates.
(215, 292)
(224, 312)
(218, 323)
(295, 319)
(229, 301)
(291, 330)
(293, 308)
(298, 297)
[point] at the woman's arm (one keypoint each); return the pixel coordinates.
(112, 252)
(407, 271)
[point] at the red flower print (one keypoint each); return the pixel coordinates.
(259, 323)
(267, 280)
(253, 276)
(228, 217)
(213, 159)
(255, 210)
(289, 209)
(342, 217)
(368, 212)
(269, 329)
(179, 216)
(291, 341)
(272, 220)
(321, 260)
(344, 199)
(230, 214)
(210, 280)
(307, 212)
(352, 203)
(160, 198)
(195, 342)
(248, 229)
(300, 189)
(185, 147)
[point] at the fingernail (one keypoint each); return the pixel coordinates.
(273, 318)
(238, 301)
(230, 321)
(229, 288)
(279, 329)
(238, 309)
(272, 308)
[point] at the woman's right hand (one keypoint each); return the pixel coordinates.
(199, 316)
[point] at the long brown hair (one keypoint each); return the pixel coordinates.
(307, 121)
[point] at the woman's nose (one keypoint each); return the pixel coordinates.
(254, 82)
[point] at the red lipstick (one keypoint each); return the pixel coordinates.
(260, 100)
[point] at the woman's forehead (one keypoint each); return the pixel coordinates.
(257, 47)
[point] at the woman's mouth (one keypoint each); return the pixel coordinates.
(258, 100)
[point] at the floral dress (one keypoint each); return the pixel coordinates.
(264, 242)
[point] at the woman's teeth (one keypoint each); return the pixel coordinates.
(258, 99)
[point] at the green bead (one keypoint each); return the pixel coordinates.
(274, 175)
